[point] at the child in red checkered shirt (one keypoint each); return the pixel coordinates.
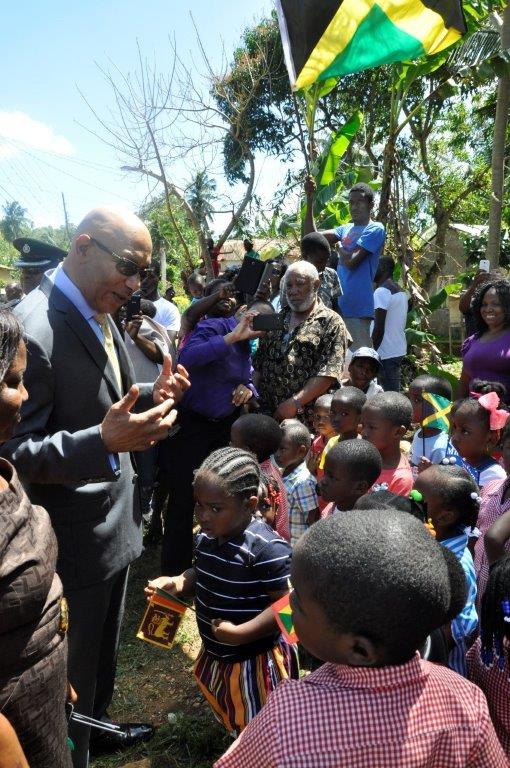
(488, 659)
(369, 587)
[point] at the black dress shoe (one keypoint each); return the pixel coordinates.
(113, 741)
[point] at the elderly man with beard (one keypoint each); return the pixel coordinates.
(297, 364)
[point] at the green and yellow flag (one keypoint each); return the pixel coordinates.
(329, 38)
(437, 418)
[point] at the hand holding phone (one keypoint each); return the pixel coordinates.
(133, 306)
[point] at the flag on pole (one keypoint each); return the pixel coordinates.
(283, 615)
(441, 407)
(331, 38)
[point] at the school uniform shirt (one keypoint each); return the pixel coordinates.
(491, 508)
(465, 623)
(394, 342)
(233, 582)
(433, 448)
(357, 299)
(301, 489)
(484, 473)
(412, 715)
(495, 683)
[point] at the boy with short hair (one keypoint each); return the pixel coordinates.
(262, 435)
(429, 443)
(351, 469)
(365, 365)
(385, 418)
(345, 417)
(299, 483)
(369, 587)
(316, 249)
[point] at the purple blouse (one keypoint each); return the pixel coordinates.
(215, 368)
(488, 360)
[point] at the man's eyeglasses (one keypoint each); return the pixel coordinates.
(126, 267)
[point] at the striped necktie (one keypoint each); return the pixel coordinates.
(109, 347)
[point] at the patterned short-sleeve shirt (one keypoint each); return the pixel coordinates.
(286, 359)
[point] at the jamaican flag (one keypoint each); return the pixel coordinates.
(438, 417)
(329, 38)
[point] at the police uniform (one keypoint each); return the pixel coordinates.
(36, 257)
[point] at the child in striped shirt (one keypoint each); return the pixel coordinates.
(241, 567)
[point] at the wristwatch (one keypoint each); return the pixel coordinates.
(299, 406)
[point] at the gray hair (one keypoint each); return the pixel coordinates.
(303, 268)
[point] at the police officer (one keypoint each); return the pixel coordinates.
(36, 258)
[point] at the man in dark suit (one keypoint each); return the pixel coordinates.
(72, 447)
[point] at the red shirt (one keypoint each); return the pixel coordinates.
(490, 509)
(281, 522)
(415, 715)
(495, 684)
(399, 480)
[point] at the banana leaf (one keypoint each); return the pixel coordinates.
(337, 147)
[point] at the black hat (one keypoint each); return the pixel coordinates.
(35, 253)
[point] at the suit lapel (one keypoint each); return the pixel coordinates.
(84, 332)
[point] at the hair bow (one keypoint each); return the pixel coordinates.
(490, 401)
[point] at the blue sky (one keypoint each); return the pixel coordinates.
(50, 49)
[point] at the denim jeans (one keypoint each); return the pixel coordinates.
(389, 377)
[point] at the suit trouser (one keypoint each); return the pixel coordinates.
(181, 455)
(95, 617)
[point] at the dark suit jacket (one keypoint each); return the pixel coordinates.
(57, 448)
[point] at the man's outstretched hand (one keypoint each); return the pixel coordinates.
(122, 430)
(168, 385)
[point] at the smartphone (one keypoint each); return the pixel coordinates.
(484, 265)
(249, 276)
(271, 322)
(133, 306)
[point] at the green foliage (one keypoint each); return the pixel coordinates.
(55, 235)
(15, 222)
(337, 147)
(200, 194)
(164, 235)
(8, 253)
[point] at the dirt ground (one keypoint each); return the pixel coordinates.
(152, 682)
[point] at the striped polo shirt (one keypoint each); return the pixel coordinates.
(233, 582)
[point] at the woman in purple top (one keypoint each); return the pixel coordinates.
(217, 357)
(486, 354)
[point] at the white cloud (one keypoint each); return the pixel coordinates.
(20, 128)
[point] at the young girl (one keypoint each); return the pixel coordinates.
(488, 660)
(475, 428)
(450, 497)
(493, 520)
(241, 567)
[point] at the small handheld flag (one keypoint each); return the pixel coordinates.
(161, 619)
(441, 407)
(332, 38)
(283, 615)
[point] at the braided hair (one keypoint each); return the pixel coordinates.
(11, 334)
(457, 491)
(495, 617)
(237, 471)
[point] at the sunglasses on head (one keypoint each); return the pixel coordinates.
(126, 267)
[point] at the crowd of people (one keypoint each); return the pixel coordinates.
(282, 464)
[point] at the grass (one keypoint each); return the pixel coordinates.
(151, 683)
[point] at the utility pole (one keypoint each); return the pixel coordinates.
(66, 218)
(498, 150)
